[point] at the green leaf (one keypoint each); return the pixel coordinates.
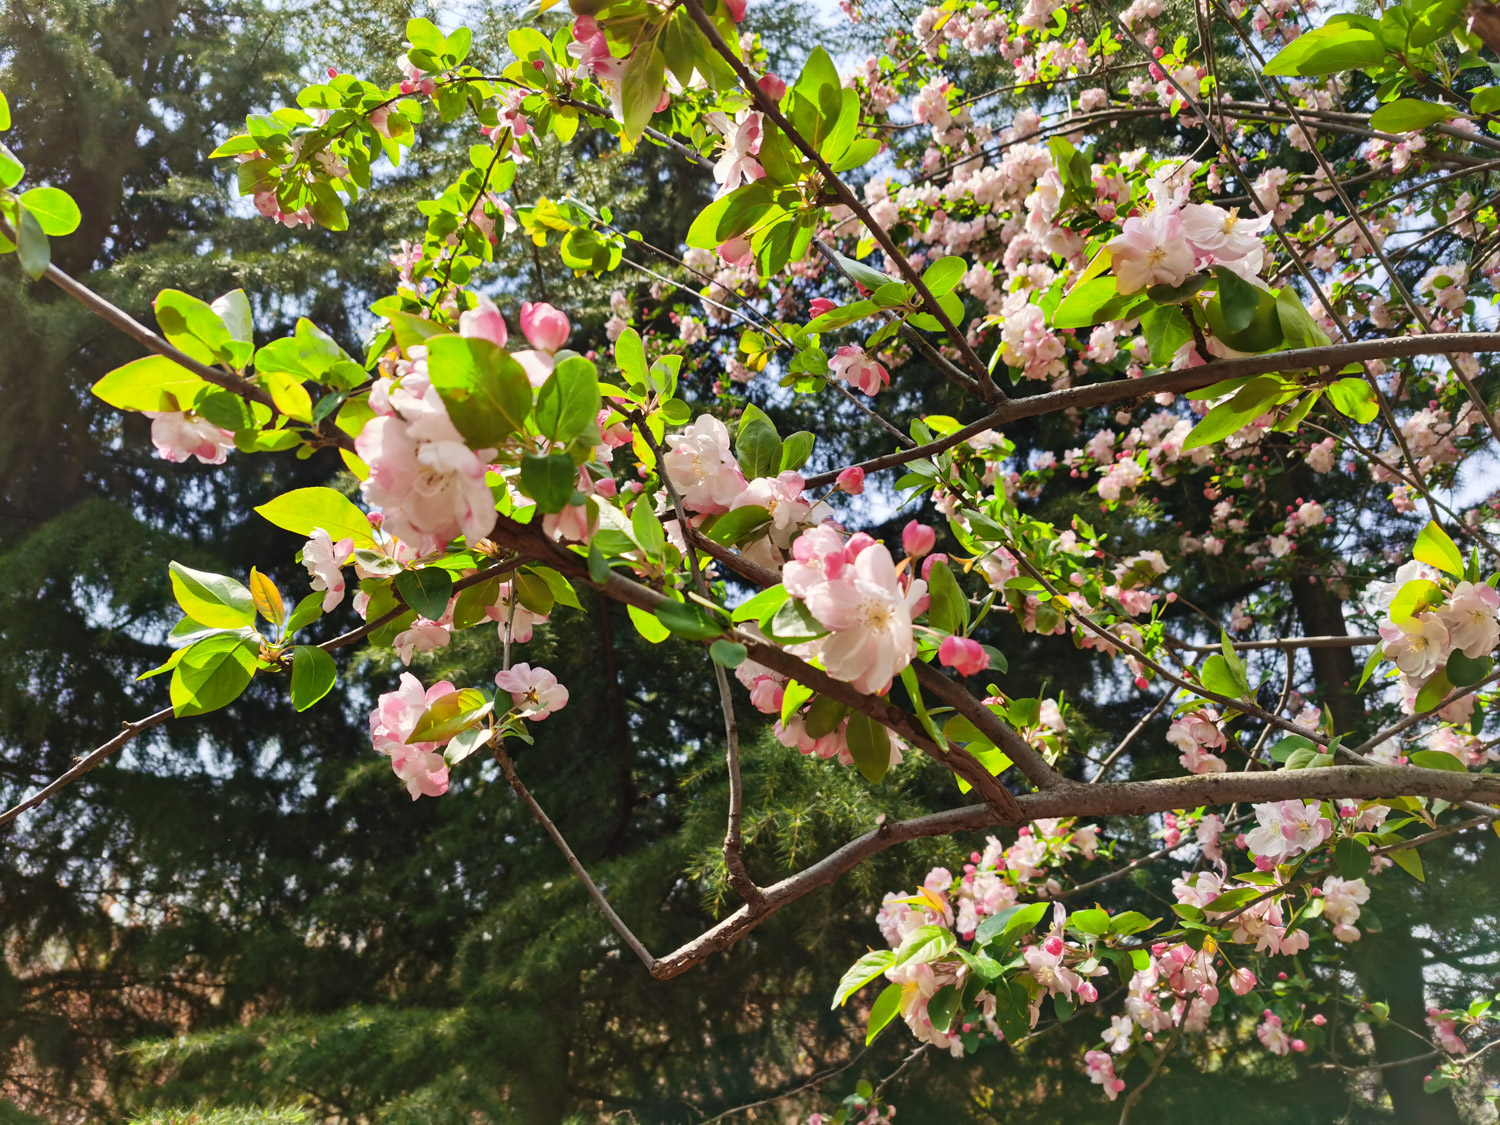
(1352, 858)
(1413, 598)
(55, 211)
(4, 112)
(215, 600)
(147, 383)
(451, 713)
(11, 169)
(426, 590)
(1464, 671)
(647, 529)
(648, 625)
(630, 356)
(870, 746)
(728, 653)
(465, 742)
(192, 326)
(795, 450)
(1353, 398)
(887, 1007)
(308, 610)
(485, 390)
(761, 605)
(944, 274)
(924, 945)
(862, 972)
(1436, 760)
(1089, 303)
(1436, 548)
(792, 698)
(1410, 862)
(304, 510)
(731, 215)
(641, 86)
(1232, 900)
(1250, 402)
(1238, 299)
(213, 673)
(1407, 115)
(688, 620)
(738, 525)
(758, 445)
(1485, 100)
(34, 251)
(1093, 921)
(1218, 676)
(313, 675)
(1010, 922)
(1262, 334)
(943, 1006)
(568, 402)
(1166, 330)
(948, 609)
(1297, 324)
(1328, 50)
(549, 480)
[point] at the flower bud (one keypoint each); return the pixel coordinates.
(918, 539)
(772, 86)
(929, 562)
(1241, 981)
(852, 480)
(484, 322)
(965, 656)
(546, 328)
(820, 305)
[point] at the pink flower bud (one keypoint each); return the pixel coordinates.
(333, 72)
(737, 9)
(820, 305)
(1241, 981)
(965, 656)
(852, 480)
(606, 487)
(931, 561)
(546, 327)
(585, 28)
(484, 322)
(918, 539)
(773, 87)
(1298, 1046)
(1087, 992)
(1319, 1020)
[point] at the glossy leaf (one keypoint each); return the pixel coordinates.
(313, 675)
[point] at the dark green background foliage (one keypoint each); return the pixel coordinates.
(259, 883)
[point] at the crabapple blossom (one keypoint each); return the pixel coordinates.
(1342, 899)
(1418, 645)
(325, 560)
(484, 322)
(870, 618)
(535, 692)
(917, 539)
(1151, 250)
(1472, 618)
(702, 468)
(393, 721)
(179, 435)
(852, 480)
(966, 657)
(853, 366)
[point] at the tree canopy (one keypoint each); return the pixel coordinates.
(609, 530)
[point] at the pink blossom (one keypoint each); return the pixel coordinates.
(820, 305)
(870, 618)
(509, 614)
(178, 436)
(1151, 250)
(1446, 1031)
(429, 485)
(781, 496)
(702, 468)
(392, 722)
(484, 322)
(917, 539)
(772, 86)
(1471, 618)
(545, 327)
(1241, 981)
(1271, 1035)
(324, 560)
(1418, 646)
(967, 657)
(851, 364)
(535, 692)
(1102, 1073)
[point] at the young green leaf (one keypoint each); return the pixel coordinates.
(313, 675)
(1435, 547)
(215, 600)
(426, 590)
